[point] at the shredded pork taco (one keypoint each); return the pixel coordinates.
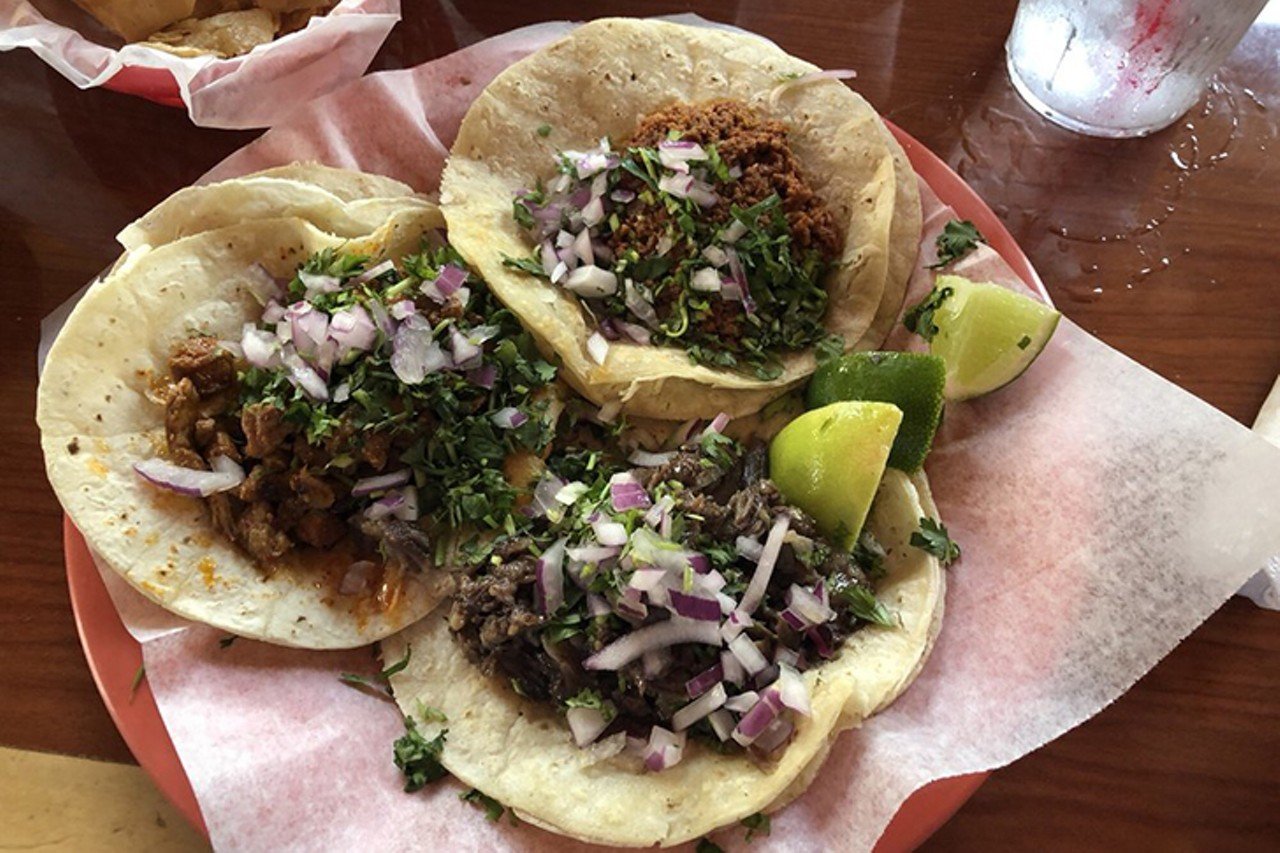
(281, 431)
(682, 216)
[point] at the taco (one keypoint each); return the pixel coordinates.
(673, 650)
(279, 431)
(681, 215)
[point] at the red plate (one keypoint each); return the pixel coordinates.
(154, 84)
(114, 656)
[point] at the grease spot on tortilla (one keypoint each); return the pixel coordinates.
(95, 465)
(207, 568)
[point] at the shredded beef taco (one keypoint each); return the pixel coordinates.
(681, 215)
(283, 432)
(670, 647)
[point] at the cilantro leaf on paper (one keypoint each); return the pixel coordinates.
(919, 318)
(933, 537)
(959, 237)
(757, 824)
(379, 683)
(137, 680)
(419, 758)
(492, 808)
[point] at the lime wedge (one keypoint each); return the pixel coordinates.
(987, 334)
(828, 462)
(912, 381)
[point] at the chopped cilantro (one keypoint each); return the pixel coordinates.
(588, 698)
(137, 680)
(431, 714)
(919, 318)
(531, 265)
(379, 681)
(832, 346)
(417, 757)
(492, 808)
(869, 554)
(848, 594)
(933, 537)
(958, 238)
(757, 824)
(544, 130)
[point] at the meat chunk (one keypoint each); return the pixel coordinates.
(265, 429)
(257, 532)
(320, 529)
(181, 411)
(202, 360)
(315, 492)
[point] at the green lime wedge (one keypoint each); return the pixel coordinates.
(912, 381)
(987, 334)
(828, 462)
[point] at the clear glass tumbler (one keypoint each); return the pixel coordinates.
(1121, 67)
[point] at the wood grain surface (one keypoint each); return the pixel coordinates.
(1174, 266)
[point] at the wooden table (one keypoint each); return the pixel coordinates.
(1187, 759)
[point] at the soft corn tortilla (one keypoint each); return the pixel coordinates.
(600, 81)
(96, 421)
(522, 753)
(904, 245)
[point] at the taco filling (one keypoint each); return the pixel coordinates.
(372, 406)
(681, 596)
(701, 232)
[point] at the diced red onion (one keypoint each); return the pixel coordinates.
(640, 305)
(635, 332)
(408, 509)
(722, 723)
(665, 243)
(704, 681)
(676, 185)
(792, 690)
(597, 605)
(569, 493)
(582, 248)
(735, 625)
(807, 606)
(466, 354)
(261, 348)
(402, 309)
(732, 668)
(381, 318)
(342, 393)
(598, 347)
(754, 722)
(483, 376)
(593, 213)
(747, 654)
(226, 475)
(353, 329)
(645, 580)
(695, 606)
(645, 459)
(821, 640)
(658, 513)
(743, 702)
(305, 377)
(715, 256)
(382, 482)
(705, 280)
(735, 231)
(700, 563)
(625, 492)
(609, 533)
(727, 604)
(701, 194)
(698, 708)
(607, 329)
(630, 607)
(374, 271)
(718, 423)
(309, 327)
(594, 553)
(592, 282)
(450, 278)
(272, 313)
(767, 675)
(402, 503)
(622, 196)
(664, 749)
(414, 354)
(509, 418)
(549, 578)
(544, 496)
(764, 566)
(774, 736)
(586, 724)
(748, 547)
(783, 655)
(660, 635)
(794, 619)
(318, 283)
(356, 578)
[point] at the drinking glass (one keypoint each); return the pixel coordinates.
(1121, 68)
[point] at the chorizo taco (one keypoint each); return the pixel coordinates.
(281, 431)
(674, 648)
(681, 215)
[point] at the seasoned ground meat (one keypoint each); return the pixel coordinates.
(320, 529)
(760, 149)
(202, 360)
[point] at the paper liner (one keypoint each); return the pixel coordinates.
(254, 90)
(1104, 513)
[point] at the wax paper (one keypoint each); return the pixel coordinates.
(254, 90)
(1104, 513)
